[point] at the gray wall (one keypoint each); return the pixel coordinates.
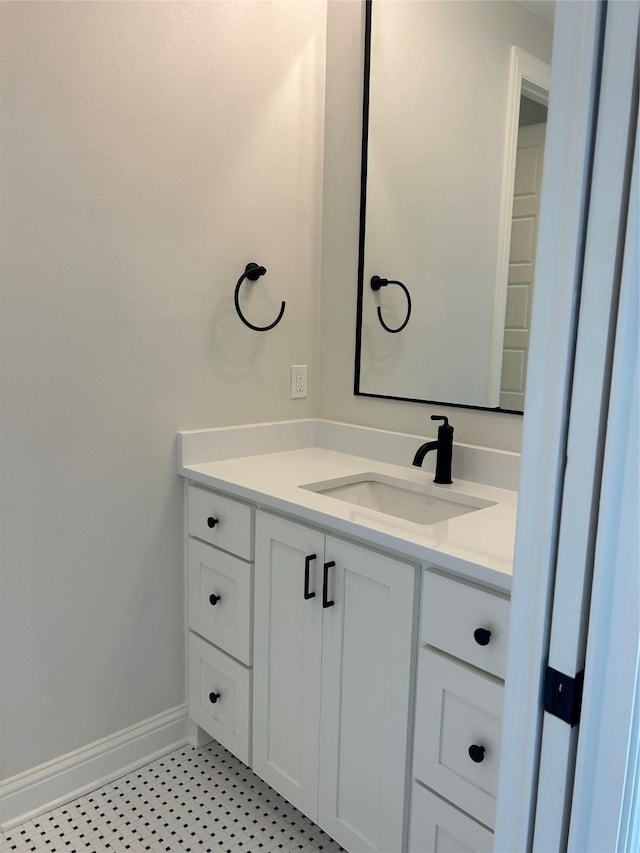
(149, 150)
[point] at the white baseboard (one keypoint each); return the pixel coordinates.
(49, 785)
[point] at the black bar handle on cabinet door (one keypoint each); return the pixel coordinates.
(307, 564)
(325, 584)
(482, 636)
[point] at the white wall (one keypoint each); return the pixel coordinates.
(340, 258)
(149, 151)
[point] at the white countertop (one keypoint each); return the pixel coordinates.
(477, 545)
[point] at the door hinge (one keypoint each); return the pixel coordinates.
(563, 695)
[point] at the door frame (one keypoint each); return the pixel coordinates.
(578, 441)
(528, 76)
(605, 239)
(560, 254)
(607, 789)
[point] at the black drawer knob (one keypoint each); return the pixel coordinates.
(476, 753)
(213, 698)
(214, 599)
(211, 521)
(482, 636)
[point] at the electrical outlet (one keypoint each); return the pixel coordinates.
(298, 381)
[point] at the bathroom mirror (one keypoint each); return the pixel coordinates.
(454, 115)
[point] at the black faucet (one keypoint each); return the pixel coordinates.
(444, 446)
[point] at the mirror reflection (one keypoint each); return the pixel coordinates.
(454, 123)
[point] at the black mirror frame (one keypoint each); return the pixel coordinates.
(362, 229)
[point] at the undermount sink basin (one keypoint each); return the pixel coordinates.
(420, 503)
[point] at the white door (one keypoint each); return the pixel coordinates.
(522, 251)
(583, 217)
(602, 804)
(287, 658)
(366, 666)
(600, 287)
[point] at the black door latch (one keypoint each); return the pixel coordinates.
(563, 695)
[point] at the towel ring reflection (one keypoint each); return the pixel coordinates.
(376, 284)
(253, 272)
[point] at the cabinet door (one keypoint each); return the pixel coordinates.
(287, 659)
(366, 665)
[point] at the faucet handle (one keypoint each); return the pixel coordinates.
(441, 418)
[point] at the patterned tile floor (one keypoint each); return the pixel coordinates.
(188, 800)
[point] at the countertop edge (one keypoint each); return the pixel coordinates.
(402, 548)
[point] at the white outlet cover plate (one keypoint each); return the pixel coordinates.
(298, 381)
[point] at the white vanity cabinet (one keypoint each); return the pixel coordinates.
(351, 657)
(459, 696)
(333, 631)
(219, 617)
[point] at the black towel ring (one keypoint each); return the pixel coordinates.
(376, 284)
(253, 272)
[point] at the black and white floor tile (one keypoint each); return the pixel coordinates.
(188, 800)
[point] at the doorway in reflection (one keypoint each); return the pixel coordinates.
(532, 126)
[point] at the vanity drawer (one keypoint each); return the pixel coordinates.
(457, 734)
(438, 827)
(221, 521)
(220, 696)
(220, 599)
(466, 622)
